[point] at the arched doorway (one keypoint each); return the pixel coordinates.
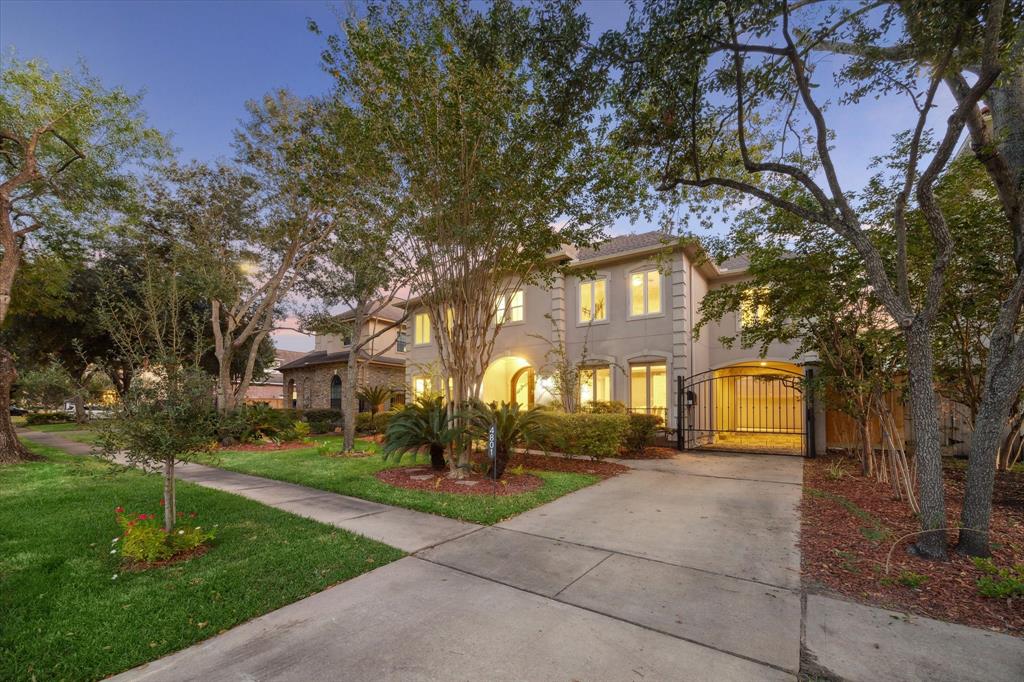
(746, 407)
(335, 392)
(509, 379)
(292, 396)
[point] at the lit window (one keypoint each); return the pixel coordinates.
(752, 309)
(645, 293)
(421, 329)
(595, 385)
(510, 308)
(592, 301)
(449, 319)
(648, 388)
(421, 386)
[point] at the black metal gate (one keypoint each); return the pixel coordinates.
(744, 408)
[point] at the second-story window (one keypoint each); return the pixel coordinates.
(644, 293)
(402, 342)
(421, 329)
(510, 307)
(752, 308)
(593, 301)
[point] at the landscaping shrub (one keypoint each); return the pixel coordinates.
(586, 434)
(640, 430)
(1000, 582)
(252, 422)
(324, 421)
(364, 423)
(606, 407)
(299, 430)
(144, 539)
(381, 419)
(37, 418)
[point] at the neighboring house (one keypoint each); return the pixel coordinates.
(270, 391)
(633, 308)
(315, 380)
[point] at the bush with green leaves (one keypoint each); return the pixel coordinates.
(381, 420)
(255, 422)
(640, 430)
(516, 427)
(37, 418)
(298, 431)
(323, 420)
(586, 434)
(422, 425)
(144, 539)
(606, 407)
(1000, 582)
(364, 424)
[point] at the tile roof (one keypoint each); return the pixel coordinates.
(388, 312)
(322, 357)
(740, 262)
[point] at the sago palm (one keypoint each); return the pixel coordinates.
(515, 427)
(425, 424)
(374, 396)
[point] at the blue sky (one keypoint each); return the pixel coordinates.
(198, 62)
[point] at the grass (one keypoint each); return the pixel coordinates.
(59, 428)
(66, 617)
(356, 477)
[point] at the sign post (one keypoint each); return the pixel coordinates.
(492, 453)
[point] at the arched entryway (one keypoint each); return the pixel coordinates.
(509, 379)
(292, 395)
(746, 407)
(335, 392)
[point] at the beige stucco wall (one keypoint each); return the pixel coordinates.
(385, 343)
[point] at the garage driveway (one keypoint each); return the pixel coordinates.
(684, 569)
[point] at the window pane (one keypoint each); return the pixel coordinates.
(636, 294)
(450, 319)
(603, 384)
(499, 315)
(599, 300)
(421, 333)
(659, 389)
(654, 291)
(586, 387)
(516, 309)
(638, 387)
(586, 301)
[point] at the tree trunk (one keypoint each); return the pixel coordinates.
(348, 397)
(11, 449)
(864, 433)
(437, 462)
(924, 409)
(170, 504)
(79, 408)
(225, 394)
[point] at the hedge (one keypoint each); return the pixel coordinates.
(37, 418)
(587, 434)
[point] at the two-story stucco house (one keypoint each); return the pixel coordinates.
(316, 379)
(626, 311)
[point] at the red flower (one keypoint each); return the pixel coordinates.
(180, 514)
(192, 515)
(118, 510)
(131, 523)
(142, 516)
(161, 502)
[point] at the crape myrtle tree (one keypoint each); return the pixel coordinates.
(487, 119)
(722, 105)
(66, 143)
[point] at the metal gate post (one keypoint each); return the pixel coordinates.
(811, 449)
(679, 412)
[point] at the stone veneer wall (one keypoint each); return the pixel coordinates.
(313, 384)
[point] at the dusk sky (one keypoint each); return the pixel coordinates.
(198, 62)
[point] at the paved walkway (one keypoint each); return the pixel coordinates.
(685, 569)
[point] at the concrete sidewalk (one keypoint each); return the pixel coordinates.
(405, 529)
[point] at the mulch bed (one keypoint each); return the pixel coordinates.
(849, 524)
(653, 452)
(474, 484)
(137, 566)
(572, 465)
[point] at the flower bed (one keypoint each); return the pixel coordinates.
(145, 544)
(849, 524)
(423, 478)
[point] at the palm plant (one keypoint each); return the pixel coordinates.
(374, 396)
(515, 427)
(422, 424)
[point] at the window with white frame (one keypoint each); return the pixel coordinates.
(593, 300)
(421, 386)
(595, 385)
(510, 307)
(421, 329)
(644, 293)
(753, 309)
(648, 388)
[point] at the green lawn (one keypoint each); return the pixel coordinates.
(355, 477)
(65, 615)
(56, 428)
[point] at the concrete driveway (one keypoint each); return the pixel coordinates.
(684, 569)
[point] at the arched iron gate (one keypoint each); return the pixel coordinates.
(746, 408)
